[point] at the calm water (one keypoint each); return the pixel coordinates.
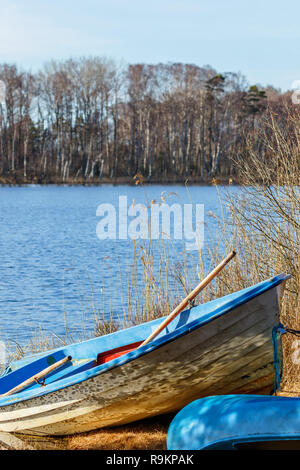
(52, 263)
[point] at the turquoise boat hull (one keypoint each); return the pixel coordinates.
(235, 422)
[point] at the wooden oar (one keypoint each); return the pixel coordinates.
(37, 377)
(189, 298)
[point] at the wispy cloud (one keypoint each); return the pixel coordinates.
(30, 34)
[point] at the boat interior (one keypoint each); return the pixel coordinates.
(94, 352)
(68, 369)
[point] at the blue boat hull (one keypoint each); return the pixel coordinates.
(237, 422)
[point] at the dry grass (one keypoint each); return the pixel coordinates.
(150, 434)
(267, 220)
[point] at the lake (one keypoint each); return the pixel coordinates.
(54, 268)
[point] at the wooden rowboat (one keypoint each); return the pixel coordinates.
(236, 422)
(223, 346)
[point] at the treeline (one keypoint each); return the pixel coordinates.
(89, 120)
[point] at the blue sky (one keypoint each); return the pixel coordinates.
(261, 39)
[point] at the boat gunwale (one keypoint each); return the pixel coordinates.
(248, 294)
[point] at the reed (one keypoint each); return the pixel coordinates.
(266, 220)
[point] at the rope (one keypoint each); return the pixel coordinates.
(278, 367)
(40, 382)
(277, 361)
(293, 332)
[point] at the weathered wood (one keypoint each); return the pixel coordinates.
(11, 442)
(37, 377)
(189, 298)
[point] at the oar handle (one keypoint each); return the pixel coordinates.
(190, 297)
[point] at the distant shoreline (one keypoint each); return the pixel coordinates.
(122, 180)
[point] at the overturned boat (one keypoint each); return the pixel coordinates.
(237, 422)
(221, 347)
